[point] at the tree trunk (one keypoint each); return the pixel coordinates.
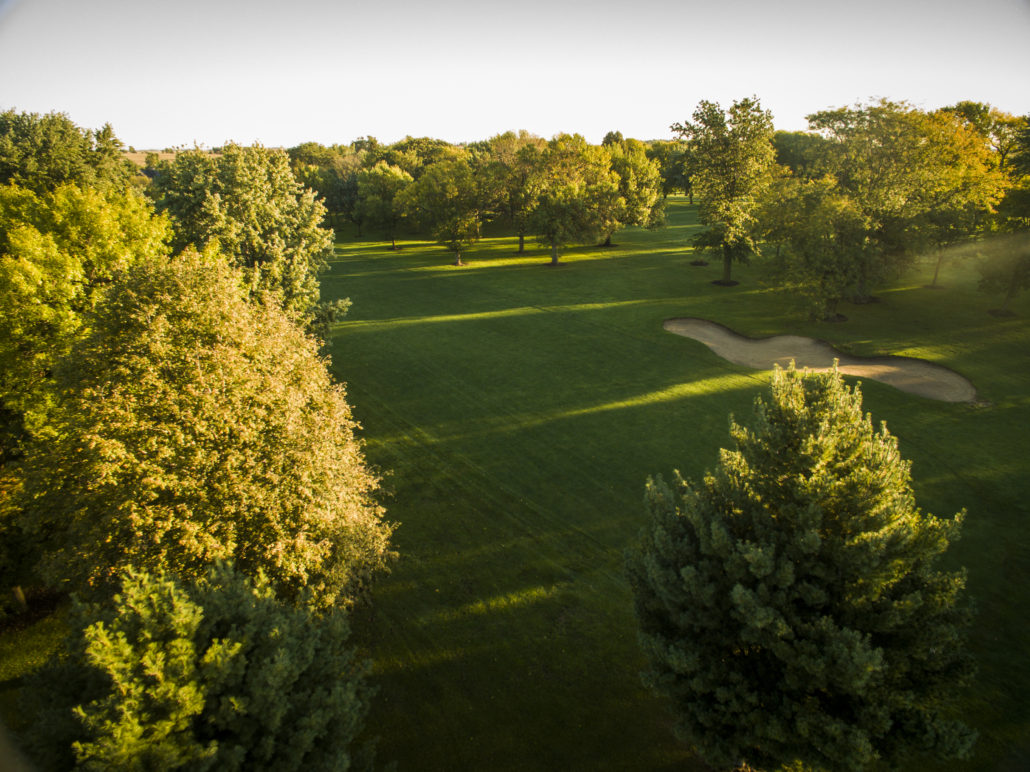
(727, 265)
(457, 257)
(554, 254)
(937, 270)
(607, 241)
(522, 243)
(393, 243)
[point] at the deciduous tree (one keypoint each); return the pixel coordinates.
(198, 426)
(920, 180)
(59, 251)
(380, 203)
(790, 604)
(731, 160)
(515, 159)
(248, 201)
(822, 234)
(450, 200)
(639, 200)
(576, 181)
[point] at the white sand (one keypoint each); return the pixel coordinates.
(915, 376)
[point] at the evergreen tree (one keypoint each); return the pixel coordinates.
(214, 675)
(789, 604)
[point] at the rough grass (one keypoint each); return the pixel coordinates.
(520, 409)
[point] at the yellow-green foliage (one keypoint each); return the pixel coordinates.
(198, 426)
(213, 675)
(58, 253)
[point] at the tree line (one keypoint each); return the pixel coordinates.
(850, 203)
(562, 191)
(177, 456)
(175, 453)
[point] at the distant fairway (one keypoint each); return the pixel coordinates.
(520, 409)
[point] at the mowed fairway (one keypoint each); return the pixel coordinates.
(518, 409)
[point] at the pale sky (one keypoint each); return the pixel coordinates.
(281, 73)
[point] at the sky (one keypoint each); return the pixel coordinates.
(280, 73)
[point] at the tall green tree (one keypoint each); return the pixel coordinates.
(451, 200)
(417, 154)
(673, 165)
(332, 172)
(819, 235)
(922, 181)
(790, 604)
(41, 152)
(59, 252)
(1005, 264)
(197, 425)
(516, 170)
(998, 128)
(961, 200)
(216, 674)
(380, 203)
(639, 194)
(803, 152)
(248, 201)
(732, 158)
(576, 187)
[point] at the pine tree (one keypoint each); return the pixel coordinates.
(214, 675)
(789, 604)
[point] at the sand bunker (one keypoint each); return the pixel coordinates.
(915, 376)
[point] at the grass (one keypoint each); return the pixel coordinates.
(519, 409)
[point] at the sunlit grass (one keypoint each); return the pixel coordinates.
(520, 409)
(516, 410)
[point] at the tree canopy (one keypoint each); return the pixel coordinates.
(199, 426)
(577, 186)
(731, 160)
(59, 251)
(790, 605)
(248, 201)
(451, 200)
(380, 203)
(921, 180)
(41, 152)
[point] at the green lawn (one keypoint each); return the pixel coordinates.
(518, 410)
